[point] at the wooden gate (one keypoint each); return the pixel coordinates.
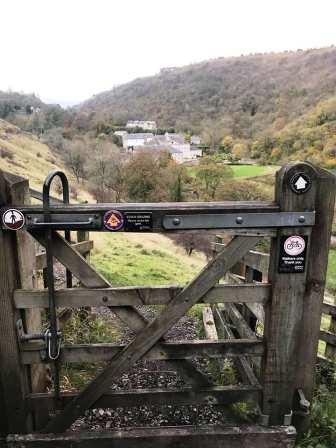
(298, 224)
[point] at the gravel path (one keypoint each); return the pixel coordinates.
(148, 375)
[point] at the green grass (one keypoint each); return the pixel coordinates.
(251, 170)
(331, 273)
(242, 170)
(124, 263)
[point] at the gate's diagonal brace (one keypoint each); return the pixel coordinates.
(153, 332)
(90, 278)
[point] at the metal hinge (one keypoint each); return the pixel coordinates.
(303, 404)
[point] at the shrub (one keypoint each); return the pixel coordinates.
(6, 154)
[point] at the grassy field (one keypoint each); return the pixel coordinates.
(147, 259)
(242, 171)
(252, 170)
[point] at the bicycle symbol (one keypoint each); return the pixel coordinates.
(294, 245)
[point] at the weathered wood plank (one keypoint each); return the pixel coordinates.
(216, 395)
(256, 308)
(284, 313)
(209, 324)
(257, 260)
(82, 237)
(166, 350)
(328, 308)
(82, 248)
(165, 207)
(316, 278)
(254, 259)
(37, 375)
(242, 364)
(39, 196)
(164, 437)
(138, 295)
(151, 334)
(328, 337)
(13, 378)
(239, 322)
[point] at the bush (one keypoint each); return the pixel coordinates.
(6, 154)
(322, 433)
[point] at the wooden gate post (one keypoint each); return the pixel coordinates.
(313, 300)
(285, 311)
(19, 195)
(13, 376)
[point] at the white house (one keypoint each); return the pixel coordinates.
(131, 141)
(195, 140)
(146, 125)
(175, 144)
(120, 133)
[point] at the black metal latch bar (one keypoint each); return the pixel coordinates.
(53, 342)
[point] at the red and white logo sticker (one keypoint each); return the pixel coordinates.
(13, 219)
(294, 245)
(114, 220)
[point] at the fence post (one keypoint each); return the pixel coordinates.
(316, 278)
(285, 311)
(38, 378)
(84, 235)
(13, 378)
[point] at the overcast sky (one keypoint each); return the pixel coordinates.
(68, 50)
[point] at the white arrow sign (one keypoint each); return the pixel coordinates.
(301, 183)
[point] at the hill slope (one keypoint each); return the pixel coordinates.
(245, 95)
(23, 154)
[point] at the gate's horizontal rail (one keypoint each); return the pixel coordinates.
(160, 207)
(328, 337)
(133, 296)
(172, 436)
(31, 352)
(166, 217)
(216, 395)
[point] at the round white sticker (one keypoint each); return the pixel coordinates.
(13, 219)
(294, 245)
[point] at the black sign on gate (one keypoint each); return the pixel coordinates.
(293, 250)
(138, 221)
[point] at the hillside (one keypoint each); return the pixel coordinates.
(23, 154)
(310, 137)
(244, 95)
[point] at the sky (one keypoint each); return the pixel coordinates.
(68, 50)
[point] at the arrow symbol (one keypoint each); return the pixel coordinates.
(301, 183)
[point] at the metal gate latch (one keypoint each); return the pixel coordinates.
(46, 354)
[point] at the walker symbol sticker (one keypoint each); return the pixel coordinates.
(114, 220)
(13, 219)
(294, 245)
(300, 183)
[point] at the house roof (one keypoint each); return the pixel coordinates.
(139, 135)
(177, 138)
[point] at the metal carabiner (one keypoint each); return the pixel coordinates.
(47, 338)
